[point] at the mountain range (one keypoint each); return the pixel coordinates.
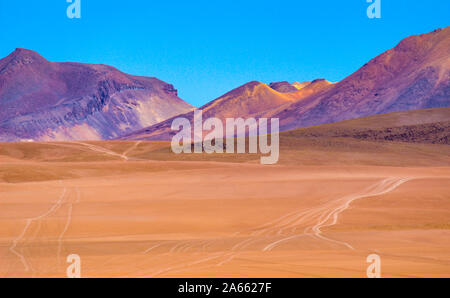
(44, 100)
(413, 75)
(254, 99)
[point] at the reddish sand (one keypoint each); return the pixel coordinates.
(216, 219)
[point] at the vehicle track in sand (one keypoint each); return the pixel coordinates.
(28, 223)
(102, 150)
(284, 228)
(27, 237)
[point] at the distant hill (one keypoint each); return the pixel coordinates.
(248, 100)
(254, 99)
(43, 100)
(283, 87)
(419, 126)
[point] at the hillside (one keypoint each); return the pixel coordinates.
(43, 100)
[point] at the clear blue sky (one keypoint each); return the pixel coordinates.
(208, 47)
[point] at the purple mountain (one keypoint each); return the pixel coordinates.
(413, 75)
(44, 100)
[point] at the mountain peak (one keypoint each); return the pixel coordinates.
(283, 87)
(20, 57)
(248, 87)
(19, 51)
(25, 53)
(418, 47)
(251, 84)
(300, 85)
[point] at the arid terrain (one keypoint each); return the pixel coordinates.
(134, 209)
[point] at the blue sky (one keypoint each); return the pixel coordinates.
(208, 47)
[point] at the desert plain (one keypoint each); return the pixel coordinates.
(135, 209)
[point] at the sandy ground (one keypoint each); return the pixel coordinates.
(130, 217)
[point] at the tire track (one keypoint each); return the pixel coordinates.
(101, 150)
(125, 153)
(29, 221)
(315, 218)
(332, 213)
